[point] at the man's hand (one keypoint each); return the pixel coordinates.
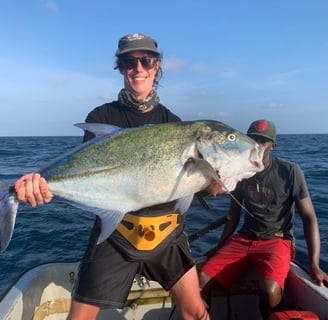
(320, 277)
(33, 189)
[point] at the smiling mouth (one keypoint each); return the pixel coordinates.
(139, 78)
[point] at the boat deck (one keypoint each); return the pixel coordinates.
(43, 293)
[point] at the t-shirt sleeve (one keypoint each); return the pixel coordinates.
(301, 190)
(173, 118)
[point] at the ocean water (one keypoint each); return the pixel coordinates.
(59, 232)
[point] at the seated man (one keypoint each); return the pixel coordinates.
(266, 237)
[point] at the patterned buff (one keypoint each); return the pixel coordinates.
(128, 99)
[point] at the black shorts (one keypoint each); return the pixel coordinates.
(106, 274)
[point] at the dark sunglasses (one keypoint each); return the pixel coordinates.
(130, 62)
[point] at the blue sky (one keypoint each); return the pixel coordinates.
(233, 61)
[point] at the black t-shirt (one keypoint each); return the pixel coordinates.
(270, 197)
(117, 114)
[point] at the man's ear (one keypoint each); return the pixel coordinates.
(274, 145)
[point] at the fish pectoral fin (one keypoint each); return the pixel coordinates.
(193, 165)
(98, 129)
(109, 221)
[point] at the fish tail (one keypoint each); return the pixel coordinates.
(8, 210)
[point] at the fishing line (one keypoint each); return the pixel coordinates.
(235, 199)
(241, 205)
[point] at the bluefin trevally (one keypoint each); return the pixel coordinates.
(124, 170)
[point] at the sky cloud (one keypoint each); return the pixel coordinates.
(51, 5)
(283, 77)
(173, 64)
(275, 105)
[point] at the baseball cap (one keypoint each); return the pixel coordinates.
(135, 42)
(262, 128)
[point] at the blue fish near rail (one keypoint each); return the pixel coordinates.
(124, 170)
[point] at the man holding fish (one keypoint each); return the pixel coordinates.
(108, 269)
(147, 239)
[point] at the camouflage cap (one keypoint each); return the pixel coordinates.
(262, 128)
(135, 42)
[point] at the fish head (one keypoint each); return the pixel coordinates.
(233, 155)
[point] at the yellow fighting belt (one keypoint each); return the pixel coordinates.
(146, 233)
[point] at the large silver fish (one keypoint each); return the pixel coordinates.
(125, 170)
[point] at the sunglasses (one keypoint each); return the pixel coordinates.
(131, 62)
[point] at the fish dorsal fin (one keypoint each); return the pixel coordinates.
(98, 129)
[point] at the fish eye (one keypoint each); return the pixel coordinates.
(231, 137)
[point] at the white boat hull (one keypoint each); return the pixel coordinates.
(43, 293)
